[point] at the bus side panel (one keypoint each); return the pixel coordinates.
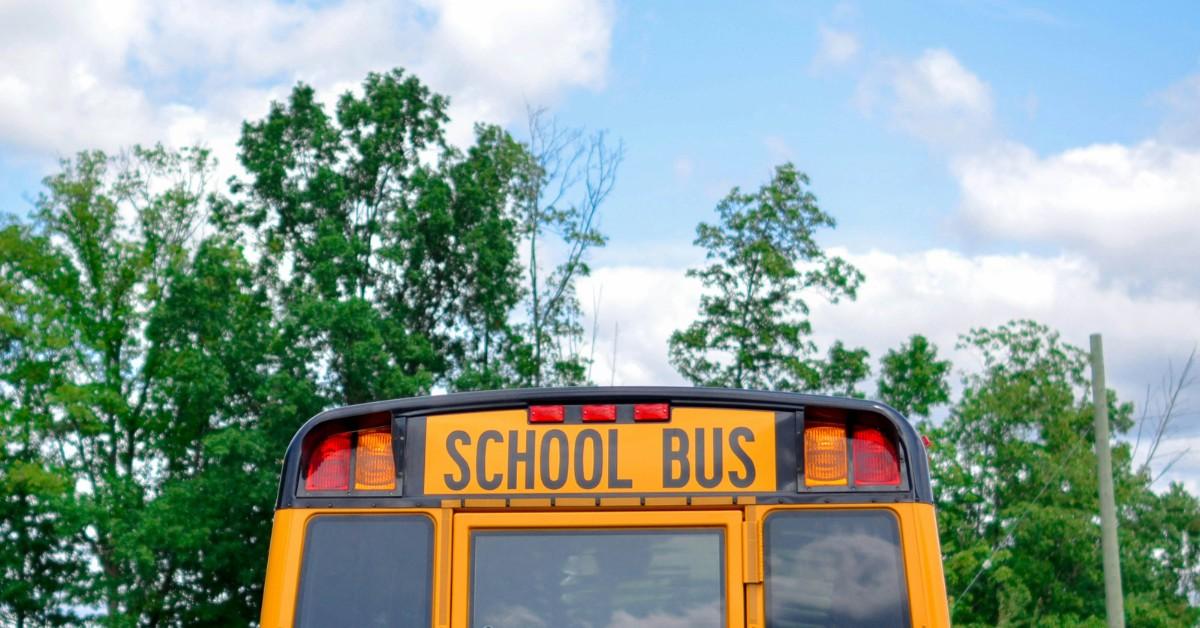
(283, 568)
(923, 556)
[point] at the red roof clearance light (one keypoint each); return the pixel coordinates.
(652, 412)
(875, 459)
(598, 414)
(329, 466)
(546, 414)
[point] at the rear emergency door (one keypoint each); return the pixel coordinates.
(598, 569)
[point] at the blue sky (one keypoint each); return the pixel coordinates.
(986, 160)
(731, 94)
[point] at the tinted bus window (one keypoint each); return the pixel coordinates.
(366, 571)
(834, 568)
(598, 578)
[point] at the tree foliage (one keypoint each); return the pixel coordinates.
(912, 379)
(842, 370)
(160, 345)
(39, 561)
(132, 344)
(390, 255)
(753, 329)
(1015, 478)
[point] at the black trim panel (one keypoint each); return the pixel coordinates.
(785, 451)
(414, 472)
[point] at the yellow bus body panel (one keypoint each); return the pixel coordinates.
(287, 556)
(744, 551)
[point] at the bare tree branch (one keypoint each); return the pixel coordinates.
(1167, 467)
(1173, 388)
(1137, 441)
(571, 176)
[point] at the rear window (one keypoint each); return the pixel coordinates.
(834, 568)
(366, 570)
(595, 578)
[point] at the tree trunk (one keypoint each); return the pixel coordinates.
(537, 326)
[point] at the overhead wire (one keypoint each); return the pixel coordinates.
(987, 562)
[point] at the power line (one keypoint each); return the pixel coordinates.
(987, 562)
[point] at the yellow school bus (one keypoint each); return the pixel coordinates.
(606, 507)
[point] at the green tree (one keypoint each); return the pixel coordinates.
(912, 379)
(495, 353)
(151, 374)
(753, 329)
(38, 562)
(1015, 482)
(226, 417)
(843, 369)
(390, 255)
(133, 342)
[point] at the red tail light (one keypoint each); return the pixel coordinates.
(875, 459)
(329, 466)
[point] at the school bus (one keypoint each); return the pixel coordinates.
(606, 507)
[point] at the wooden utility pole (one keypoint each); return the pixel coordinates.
(1114, 602)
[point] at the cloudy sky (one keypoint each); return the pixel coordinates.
(986, 160)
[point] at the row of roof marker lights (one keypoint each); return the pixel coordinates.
(601, 413)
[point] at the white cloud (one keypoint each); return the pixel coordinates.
(89, 74)
(639, 308)
(523, 51)
(1185, 452)
(942, 293)
(54, 62)
(936, 99)
(939, 293)
(1134, 209)
(836, 48)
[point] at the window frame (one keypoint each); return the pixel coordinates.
(306, 558)
(729, 522)
(904, 545)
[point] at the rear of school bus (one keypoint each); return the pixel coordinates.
(606, 507)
